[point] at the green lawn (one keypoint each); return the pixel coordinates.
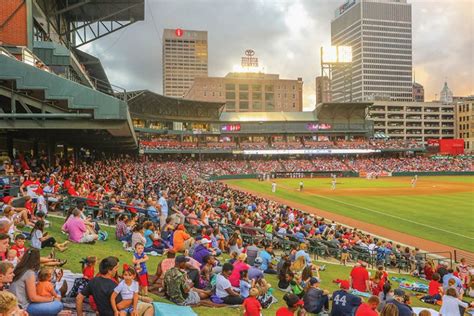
(445, 218)
(113, 247)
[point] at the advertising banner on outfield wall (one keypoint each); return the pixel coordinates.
(306, 151)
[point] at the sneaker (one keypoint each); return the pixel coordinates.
(153, 253)
(124, 244)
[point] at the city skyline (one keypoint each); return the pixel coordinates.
(286, 36)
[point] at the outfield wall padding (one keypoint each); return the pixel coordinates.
(433, 173)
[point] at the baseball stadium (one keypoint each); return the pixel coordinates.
(118, 202)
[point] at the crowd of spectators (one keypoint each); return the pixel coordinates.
(163, 143)
(165, 207)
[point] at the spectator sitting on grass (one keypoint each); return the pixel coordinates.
(77, 229)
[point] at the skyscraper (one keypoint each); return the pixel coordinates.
(380, 33)
(184, 58)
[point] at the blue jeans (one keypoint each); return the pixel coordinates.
(45, 309)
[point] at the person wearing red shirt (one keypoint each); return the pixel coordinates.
(19, 245)
(294, 303)
(360, 277)
(369, 308)
(252, 306)
(434, 290)
(88, 270)
(428, 270)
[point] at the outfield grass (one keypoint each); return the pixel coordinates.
(446, 218)
(114, 248)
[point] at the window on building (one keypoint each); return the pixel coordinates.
(230, 105)
(243, 95)
(243, 87)
(230, 86)
(256, 87)
(257, 105)
(256, 95)
(230, 95)
(269, 106)
(243, 105)
(269, 97)
(268, 88)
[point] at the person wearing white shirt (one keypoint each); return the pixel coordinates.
(451, 304)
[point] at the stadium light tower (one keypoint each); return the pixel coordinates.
(337, 59)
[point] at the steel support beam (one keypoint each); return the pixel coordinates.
(30, 115)
(72, 7)
(62, 124)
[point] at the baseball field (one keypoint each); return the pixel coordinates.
(435, 215)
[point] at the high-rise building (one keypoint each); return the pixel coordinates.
(446, 95)
(380, 33)
(323, 90)
(465, 121)
(250, 92)
(184, 58)
(418, 92)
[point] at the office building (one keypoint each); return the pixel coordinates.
(413, 120)
(250, 92)
(465, 121)
(323, 90)
(380, 34)
(184, 58)
(418, 92)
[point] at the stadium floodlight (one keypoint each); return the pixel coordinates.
(344, 54)
(336, 54)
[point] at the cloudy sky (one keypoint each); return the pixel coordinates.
(286, 36)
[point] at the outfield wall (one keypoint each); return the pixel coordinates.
(433, 173)
(349, 174)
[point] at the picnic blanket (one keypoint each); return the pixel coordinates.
(411, 285)
(359, 293)
(164, 309)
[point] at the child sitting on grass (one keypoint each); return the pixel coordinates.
(128, 289)
(88, 267)
(44, 286)
(244, 283)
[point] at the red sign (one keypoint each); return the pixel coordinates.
(451, 146)
(179, 32)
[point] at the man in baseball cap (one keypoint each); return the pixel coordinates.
(398, 301)
(343, 302)
(315, 299)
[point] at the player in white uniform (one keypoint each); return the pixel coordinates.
(301, 185)
(274, 187)
(333, 182)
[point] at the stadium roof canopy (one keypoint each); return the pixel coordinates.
(342, 112)
(38, 104)
(268, 117)
(145, 104)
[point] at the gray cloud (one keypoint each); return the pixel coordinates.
(286, 35)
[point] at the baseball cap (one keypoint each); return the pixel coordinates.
(314, 280)
(205, 241)
(399, 292)
(293, 300)
(258, 261)
(180, 259)
(344, 284)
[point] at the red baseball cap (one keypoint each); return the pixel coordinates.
(344, 284)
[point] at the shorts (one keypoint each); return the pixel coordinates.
(86, 238)
(344, 256)
(192, 299)
(143, 279)
(142, 307)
